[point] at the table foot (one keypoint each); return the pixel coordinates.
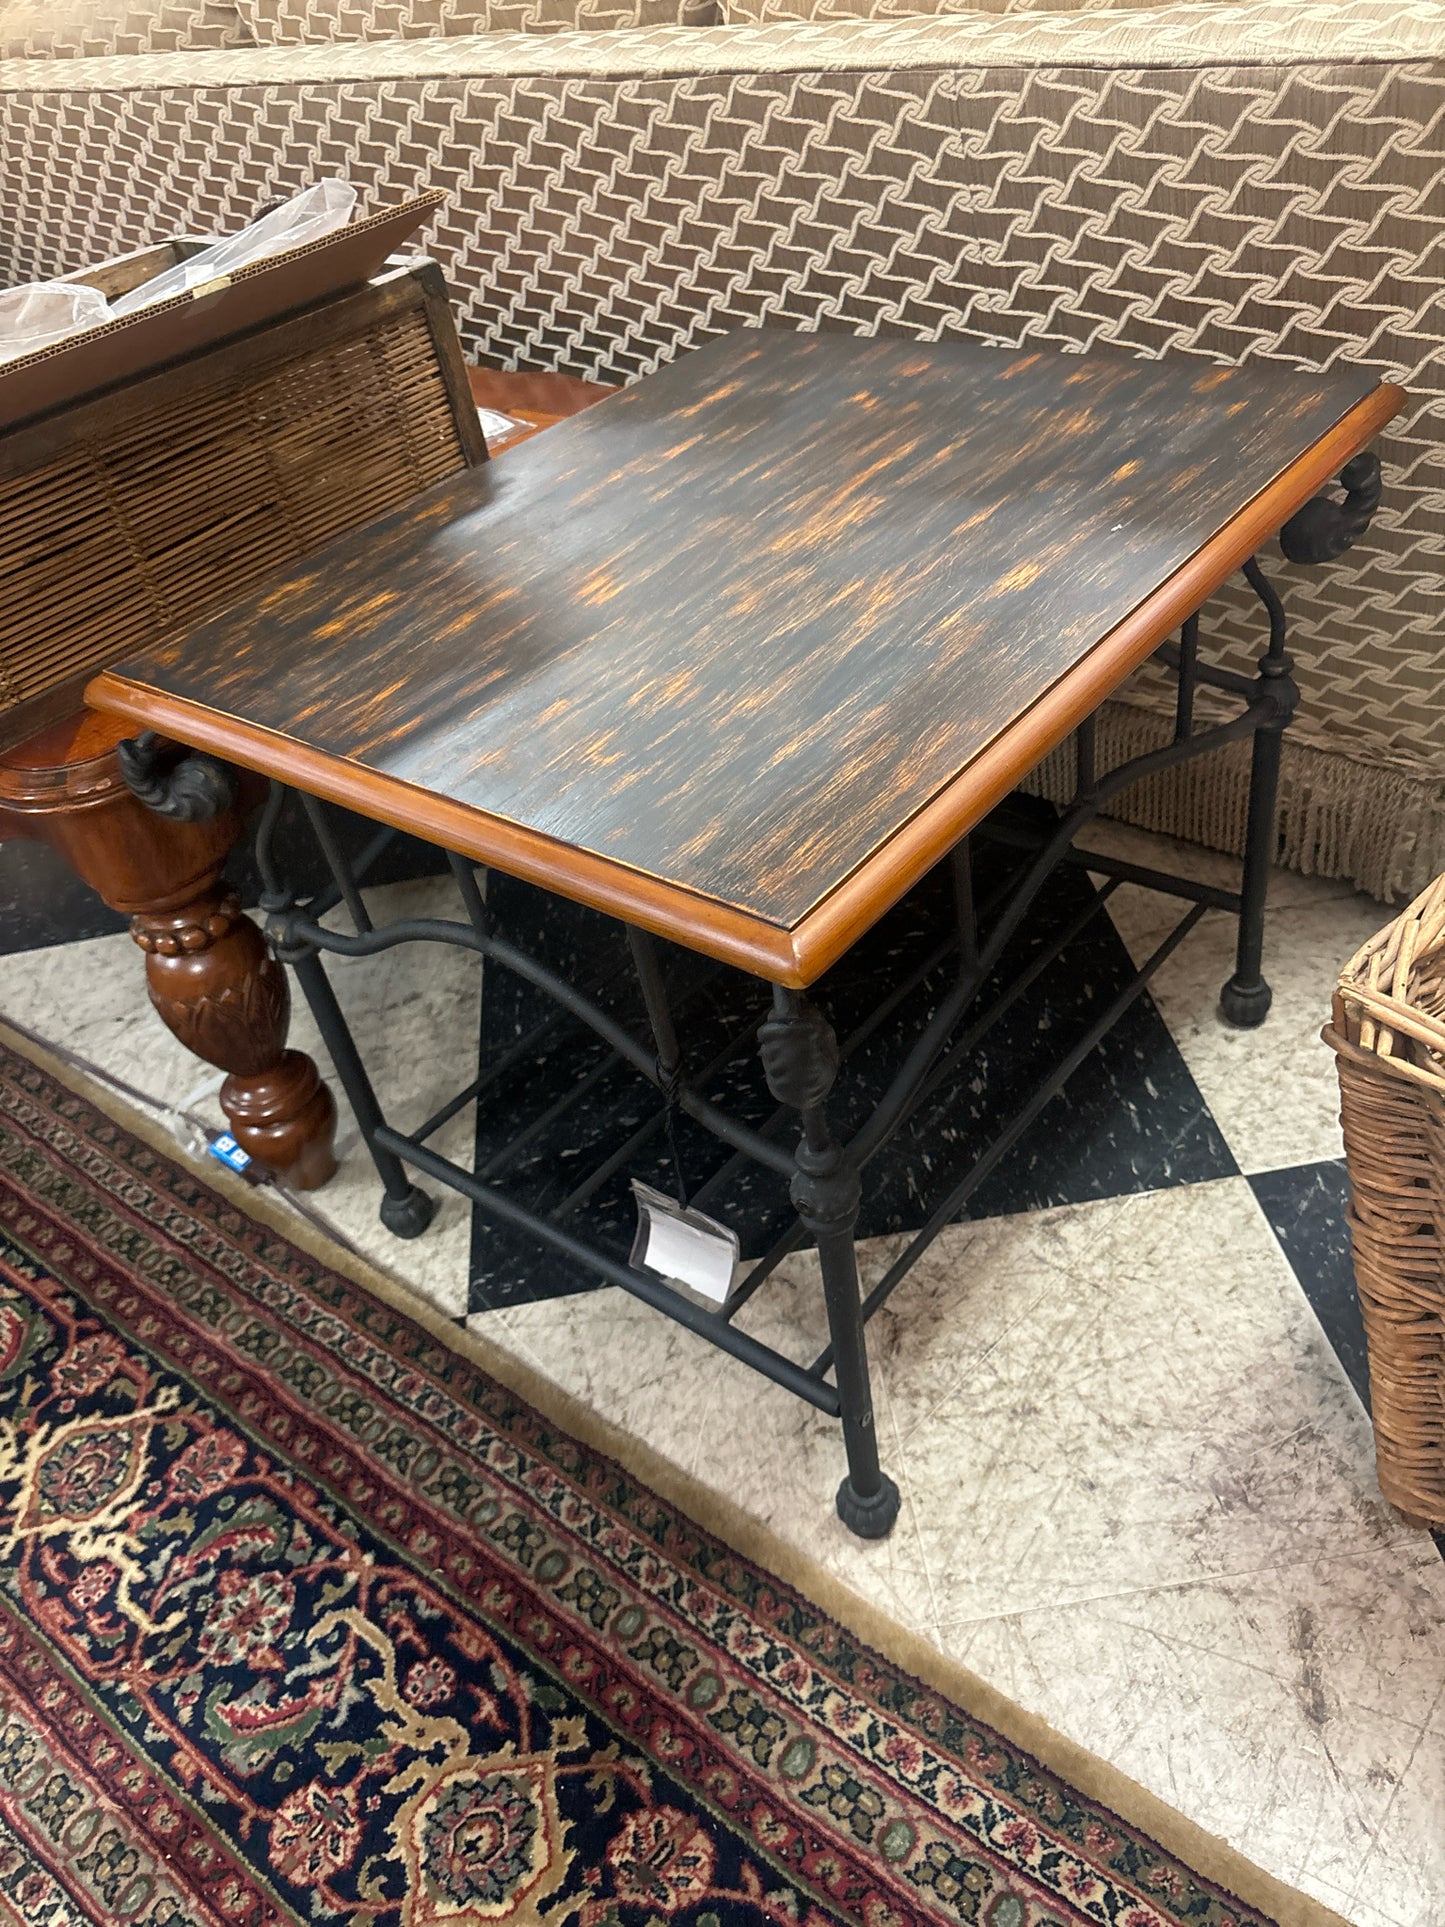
(285, 1118)
(871, 1518)
(408, 1217)
(210, 978)
(1245, 1005)
(406, 1211)
(1245, 999)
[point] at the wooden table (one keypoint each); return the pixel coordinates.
(740, 654)
(211, 979)
(533, 398)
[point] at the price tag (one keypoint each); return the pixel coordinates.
(685, 1247)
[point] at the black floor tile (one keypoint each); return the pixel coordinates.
(1130, 1120)
(43, 901)
(1305, 1206)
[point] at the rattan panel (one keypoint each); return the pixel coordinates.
(151, 516)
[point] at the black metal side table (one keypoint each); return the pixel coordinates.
(738, 657)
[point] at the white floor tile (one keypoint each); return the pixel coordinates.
(1401, 1882)
(1272, 1090)
(1165, 1408)
(1229, 1698)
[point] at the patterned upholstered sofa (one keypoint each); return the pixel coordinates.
(1260, 177)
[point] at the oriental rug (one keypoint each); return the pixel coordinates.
(312, 1611)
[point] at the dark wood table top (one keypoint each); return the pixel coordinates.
(741, 651)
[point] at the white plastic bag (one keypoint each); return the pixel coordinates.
(306, 217)
(43, 312)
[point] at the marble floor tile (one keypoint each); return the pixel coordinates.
(89, 998)
(1236, 1700)
(607, 1350)
(978, 1283)
(1341, 1903)
(1402, 1879)
(1272, 1090)
(1164, 1408)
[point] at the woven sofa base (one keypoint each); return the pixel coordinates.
(1379, 827)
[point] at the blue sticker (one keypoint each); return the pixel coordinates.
(229, 1152)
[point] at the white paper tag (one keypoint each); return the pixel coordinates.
(685, 1247)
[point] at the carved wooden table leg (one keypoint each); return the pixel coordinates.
(211, 978)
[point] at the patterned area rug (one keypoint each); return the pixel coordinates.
(306, 1617)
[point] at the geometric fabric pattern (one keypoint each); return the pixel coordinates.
(766, 12)
(1233, 181)
(91, 29)
(290, 23)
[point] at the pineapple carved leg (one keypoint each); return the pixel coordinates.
(218, 989)
(212, 981)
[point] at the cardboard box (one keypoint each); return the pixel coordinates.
(84, 364)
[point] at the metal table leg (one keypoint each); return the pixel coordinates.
(1245, 999)
(800, 1061)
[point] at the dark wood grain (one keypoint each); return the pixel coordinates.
(740, 626)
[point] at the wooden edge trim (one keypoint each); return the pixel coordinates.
(667, 910)
(822, 936)
(1205, 1853)
(799, 956)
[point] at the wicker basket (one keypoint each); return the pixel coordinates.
(1388, 1033)
(138, 511)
